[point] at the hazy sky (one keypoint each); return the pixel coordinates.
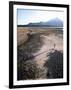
(25, 16)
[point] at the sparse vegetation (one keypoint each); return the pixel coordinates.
(55, 65)
(27, 68)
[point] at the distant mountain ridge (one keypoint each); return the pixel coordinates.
(56, 22)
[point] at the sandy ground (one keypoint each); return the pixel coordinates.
(22, 36)
(51, 43)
